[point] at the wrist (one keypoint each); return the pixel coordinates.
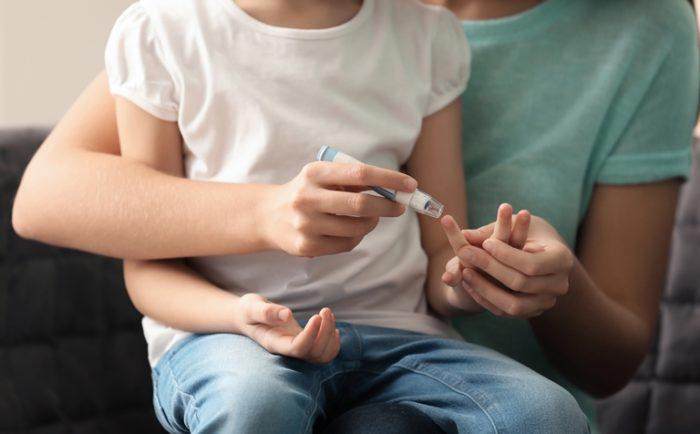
(234, 307)
(251, 213)
(570, 303)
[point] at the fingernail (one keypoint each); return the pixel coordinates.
(534, 248)
(411, 184)
(488, 244)
(283, 315)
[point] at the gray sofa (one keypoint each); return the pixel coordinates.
(72, 357)
(71, 347)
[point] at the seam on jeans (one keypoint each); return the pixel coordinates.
(191, 400)
(314, 403)
(160, 412)
(360, 346)
(461, 392)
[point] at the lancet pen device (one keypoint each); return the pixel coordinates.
(420, 201)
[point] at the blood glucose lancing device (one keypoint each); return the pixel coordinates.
(419, 201)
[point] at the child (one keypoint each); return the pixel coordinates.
(328, 307)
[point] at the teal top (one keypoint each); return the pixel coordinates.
(564, 96)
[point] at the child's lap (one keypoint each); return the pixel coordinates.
(443, 377)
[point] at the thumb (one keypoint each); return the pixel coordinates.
(476, 237)
(263, 312)
(534, 247)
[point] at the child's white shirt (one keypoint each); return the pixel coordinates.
(254, 103)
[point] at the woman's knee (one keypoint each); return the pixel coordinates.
(542, 406)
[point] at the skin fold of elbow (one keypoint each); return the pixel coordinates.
(22, 221)
(621, 371)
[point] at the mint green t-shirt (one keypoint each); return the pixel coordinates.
(564, 96)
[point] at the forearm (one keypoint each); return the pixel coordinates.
(600, 331)
(78, 192)
(113, 206)
(174, 294)
(594, 340)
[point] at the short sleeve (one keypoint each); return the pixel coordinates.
(656, 143)
(450, 62)
(136, 68)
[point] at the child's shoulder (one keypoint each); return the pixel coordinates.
(179, 11)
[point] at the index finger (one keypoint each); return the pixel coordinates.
(454, 234)
(359, 174)
(304, 341)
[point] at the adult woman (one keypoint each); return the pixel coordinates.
(580, 111)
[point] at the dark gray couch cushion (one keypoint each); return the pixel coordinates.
(72, 355)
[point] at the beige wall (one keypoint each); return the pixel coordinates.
(49, 51)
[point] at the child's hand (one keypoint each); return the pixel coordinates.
(322, 212)
(454, 268)
(509, 229)
(455, 296)
(273, 327)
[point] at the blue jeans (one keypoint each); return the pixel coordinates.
(225, 383)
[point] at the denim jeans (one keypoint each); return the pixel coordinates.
(226, 383)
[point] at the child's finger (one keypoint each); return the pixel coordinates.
(264, 312)
(453, 232)
(504, 220)
(332, 345)
(521, 227)
(324, 337)
(332, 349)
(453, 274)
(302, 343)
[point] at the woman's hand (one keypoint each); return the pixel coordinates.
(322, 212)
(273, 327)
(456, 295)
(513, 282)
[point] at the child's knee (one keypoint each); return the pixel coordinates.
(259, 402)
(227, 383)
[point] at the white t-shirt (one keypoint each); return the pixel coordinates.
(255, 102)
